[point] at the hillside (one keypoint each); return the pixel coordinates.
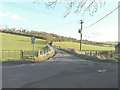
(76, 46)
(17, 42)
(53, 37)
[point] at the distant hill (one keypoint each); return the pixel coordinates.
(50, 37)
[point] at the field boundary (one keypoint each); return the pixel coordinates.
(28, 55)
(86, 57)
(45, 56)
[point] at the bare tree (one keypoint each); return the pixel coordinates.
(77, 6)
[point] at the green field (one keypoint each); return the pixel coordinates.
(108, 42)
(76, 46)
(16, 42)
(13, 44)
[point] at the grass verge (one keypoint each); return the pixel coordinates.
(44, 57)
(32, 59)
(91, 58)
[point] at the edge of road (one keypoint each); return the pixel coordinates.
(85, 57)
(90, 58)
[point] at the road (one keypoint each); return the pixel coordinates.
(63, 71)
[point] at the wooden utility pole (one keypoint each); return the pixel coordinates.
(80, 31)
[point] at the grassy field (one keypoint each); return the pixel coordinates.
(76, 46)
(12, 44)
(108, 42)
(16, 42)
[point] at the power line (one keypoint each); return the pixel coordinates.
(102, 18)
(99, 19)
(64, 24)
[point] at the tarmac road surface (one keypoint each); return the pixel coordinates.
(63, 71)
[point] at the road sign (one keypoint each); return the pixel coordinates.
(32, 40)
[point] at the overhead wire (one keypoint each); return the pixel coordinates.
(74, 21)
(102, 18)
(99, 21)
(71, 21)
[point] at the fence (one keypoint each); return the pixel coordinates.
(24, 54)
(10, 54)
(102, 54)
(45, 51)
(105, 54)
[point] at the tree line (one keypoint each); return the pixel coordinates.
(49, 37)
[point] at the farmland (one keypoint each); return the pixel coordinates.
(13, 44)
(76, 46)
(16, 42)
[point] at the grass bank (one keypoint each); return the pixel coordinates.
(76, 46)
(44, 57)
(17, 42)
(86, 57)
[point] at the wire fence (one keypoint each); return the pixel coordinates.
(23, 54)
(10, 54)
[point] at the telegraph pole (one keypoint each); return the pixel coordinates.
(80, 31)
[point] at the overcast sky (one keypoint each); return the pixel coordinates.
(33, 16)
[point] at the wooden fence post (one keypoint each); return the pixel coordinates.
(22, 52)
(96, 53)
(90, 53)
(111, 55)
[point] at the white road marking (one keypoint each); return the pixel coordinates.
(100, 71)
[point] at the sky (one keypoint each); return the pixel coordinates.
(38, 17)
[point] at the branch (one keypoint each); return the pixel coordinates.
(92, 7)
(51, 4)
(70, 5)
(80, 6)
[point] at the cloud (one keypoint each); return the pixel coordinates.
(16, 17)
(109, 32)
(11, 15)
(3, 14)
